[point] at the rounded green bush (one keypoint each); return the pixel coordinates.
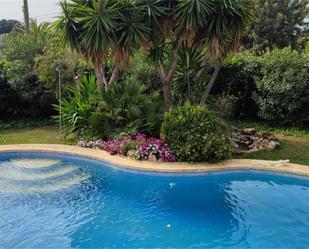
(194, 134)
(283, 87)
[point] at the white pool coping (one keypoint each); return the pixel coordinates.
(155, 166)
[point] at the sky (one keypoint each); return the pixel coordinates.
(42, 10)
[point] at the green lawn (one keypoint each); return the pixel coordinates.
(293, 147)
(295, 151)
(294, 143)
(44, 135)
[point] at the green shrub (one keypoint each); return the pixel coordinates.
(126, 107)
(142, 70)
(194, 134)
(9, 100)
(123, 107)
(224, 105)
(129, 146)
(283, 89)
(18, 50)
(24, 123)
(236, 78)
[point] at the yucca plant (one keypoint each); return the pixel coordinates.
(77, 108)
(212, 25)
(102, 30)
(183, 86)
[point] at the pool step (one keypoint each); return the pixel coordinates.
(7, 187)
(30, 163)
(13, 174)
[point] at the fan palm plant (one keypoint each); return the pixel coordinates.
(119, 112)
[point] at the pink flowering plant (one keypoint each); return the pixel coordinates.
(139, 147)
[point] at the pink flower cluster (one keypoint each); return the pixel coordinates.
(114, 146)
(147, 146)
(144, 147)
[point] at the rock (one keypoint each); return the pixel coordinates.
(273, 144)
(131, 153)
(248, 140)
(249, 130)
(152, 157)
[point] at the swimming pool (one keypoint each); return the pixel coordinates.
(60, 201)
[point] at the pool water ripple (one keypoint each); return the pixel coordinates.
(56, 201)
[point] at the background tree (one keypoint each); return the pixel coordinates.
(6, 26)
(53, 55)
(279, 23)
(30, 61)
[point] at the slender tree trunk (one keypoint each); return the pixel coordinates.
(114, 75)
(167, 77)
(103, 83)
(99, 71)
(201, 70)
(26, 16)
(165, 86)
(210, 84)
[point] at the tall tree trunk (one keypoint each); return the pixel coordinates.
(99, 71)
(103, 83)
(210, 84)
(167, 77)
(114, 75)
(165, 86)
(201, 70)
(26, 16)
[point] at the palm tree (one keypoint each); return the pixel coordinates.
(213, 25)
(102, 30)
(86, 28)
(26, 15)
(220, 34)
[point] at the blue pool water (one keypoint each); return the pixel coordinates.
(57, 201)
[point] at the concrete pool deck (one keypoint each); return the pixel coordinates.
(128, 163)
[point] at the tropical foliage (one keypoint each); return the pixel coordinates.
(115, 29)
(77, 108)
(123, 107)
(126, 107)
(123, 63)
(100, 30)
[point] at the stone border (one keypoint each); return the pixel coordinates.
(178, 167)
